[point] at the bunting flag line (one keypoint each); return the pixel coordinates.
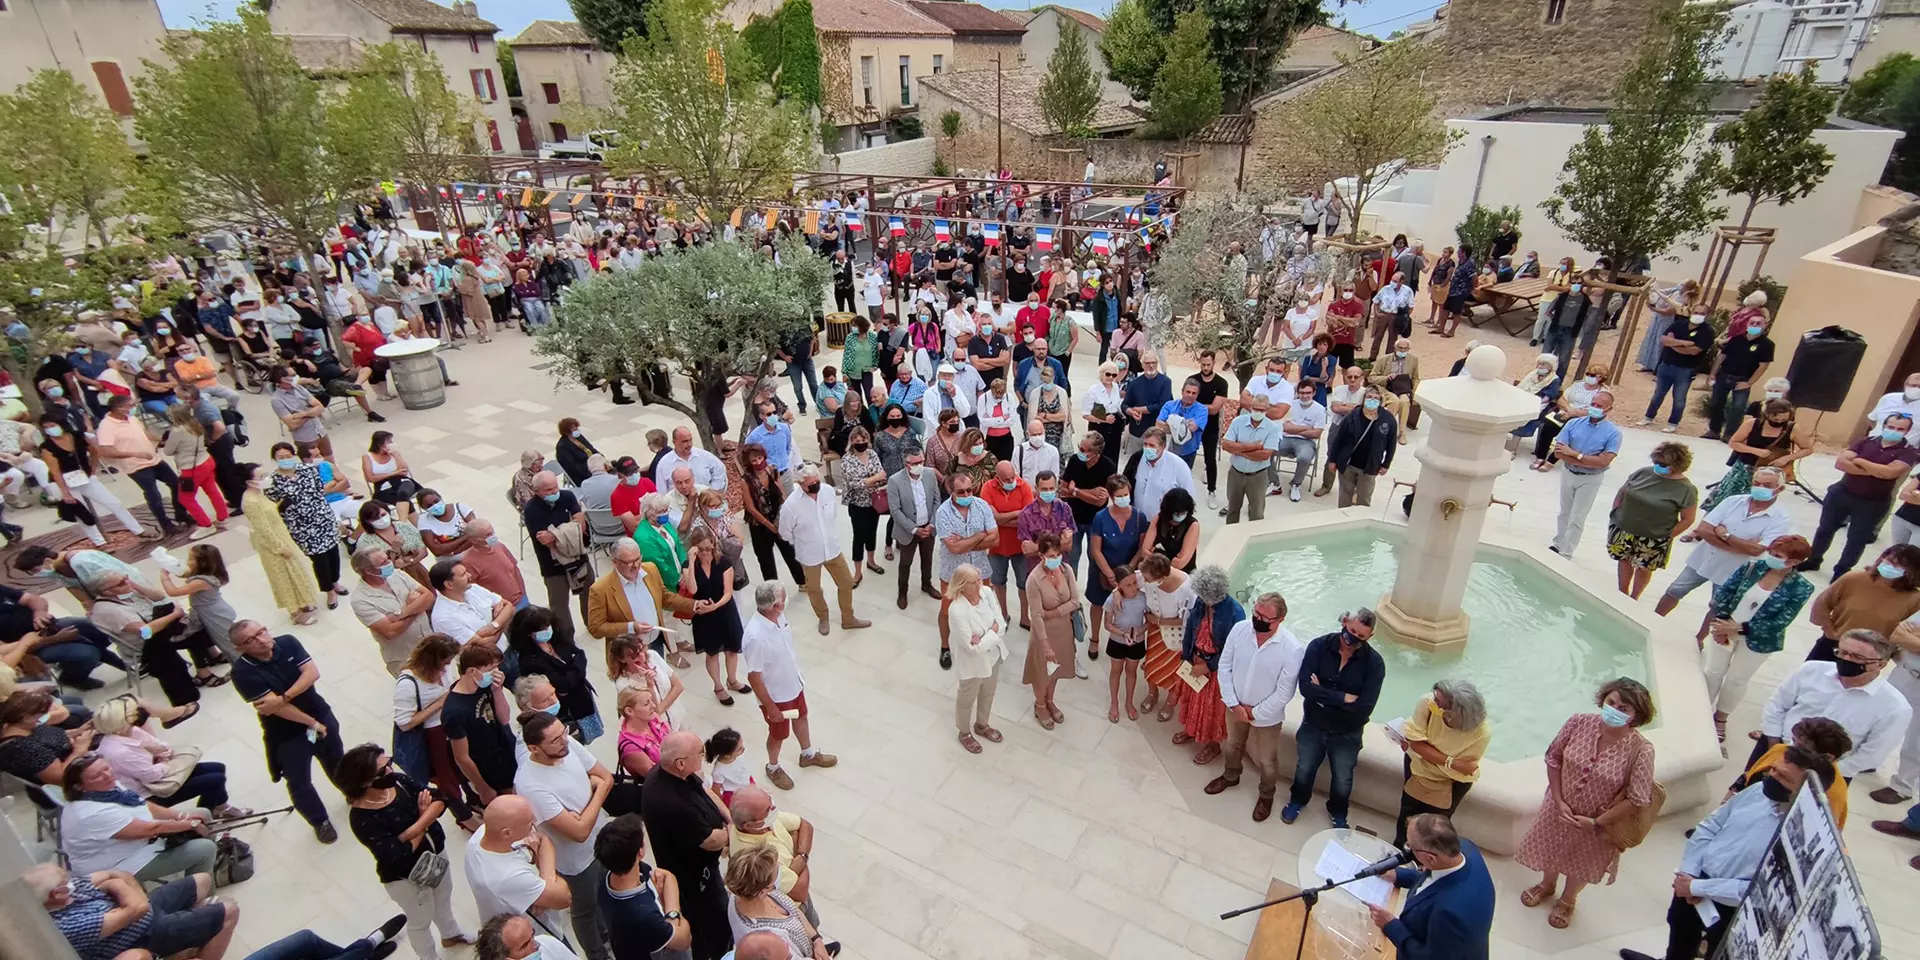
(942, 231)
(852, 221)
(738, 213)
(1043, 239)
(991, 233)
(1133, 214)
(1102, 243)
(773, 216)
(1146, 239)
(897, 226)
(526, 197)
(811, 225)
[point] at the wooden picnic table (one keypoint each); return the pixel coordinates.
(1512, 295)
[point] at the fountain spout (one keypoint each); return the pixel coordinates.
(1448, 508)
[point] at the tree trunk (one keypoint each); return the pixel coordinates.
(643, 386)
(1753, 202)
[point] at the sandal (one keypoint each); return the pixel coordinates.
(1561, 915)
(1040, 714)
(972, 745)
(1113, 713)
(1132, 714)
(1720, 726)
(1058, 717)
(742, 688)
(333, 601)
(191, 709)
(1206, 755)
(987, 733)
(876, 568)
(723, 697)
(1182, 738)
(306, 618)
(1536, 895)
(1166, 712)
(212, 680)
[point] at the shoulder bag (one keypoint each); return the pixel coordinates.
(179, 768)
(1628, 832)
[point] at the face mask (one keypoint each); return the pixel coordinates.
(1662, 469)
(1053, 563)
(1754, 330)
(1262, 625)
(953, 427)
(1762, 494)
(1591, 381)
(1773, 562)
(551, 709)
(486, 680)
(811, 488)
(1542, 371)
(1273, 379)
(1151, 453)
(1848, 668)
(386, 570)
(1009, 485)
(437, 510)
(914, 471)
(1892, 434)
(1699, 318)
(1888, 571)
(543, 635)
(383, 781)
(770, 420)
(551, 497)
(1596, 413)
(1775, 394)
(380, 523)
(1371, 404)
(287, 464)
(56, 392)
(1123, 501)
(575, 434)
(1574, 288)
(1048, 496)
(978, 449)
(1613, 716)
(55, 432)
(632, 481)
(1347, 637)
(1775, 790)
(1911, 393)
(1402, 354)
(162, 331)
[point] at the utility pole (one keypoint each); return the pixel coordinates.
(999, 85)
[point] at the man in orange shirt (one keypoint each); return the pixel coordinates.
(191, 367)
(1007, 494)
(123, 442)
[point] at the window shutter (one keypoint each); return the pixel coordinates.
(113, 87)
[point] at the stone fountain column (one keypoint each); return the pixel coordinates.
(1469, 418)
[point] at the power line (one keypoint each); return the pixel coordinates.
(1404, 16)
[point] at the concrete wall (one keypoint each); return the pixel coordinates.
(1524, 161)
(1878, 201)
(907, 158)
(977, 53)
(1880, 305)
(72, 35)
(1043, 34)
(1891, 33)
(328, 17)
(584, 75)
(886, 53)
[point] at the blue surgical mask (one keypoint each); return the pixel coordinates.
(56, 392)
(962, 501)
(1754, 329)
(1084, 456)
(543, 635)
(551, 709)
(54, 432)
(287, 464)
(1179, 518)
(717, 512)
(1053, 563)
(1048, 496)
(1762, 494)
(1662, 469)
(1371, 403)
(1151, 453)
(1596, 413)
(1888, 571)
(1773, 562)
(1613, 716)
(1256, 415)
(485, 681)
(551, 497)
(386, 570)
(1273, 379)
(977, 449)
(770, 420)
(438, 509)
(1892, 435)
(1122, 500)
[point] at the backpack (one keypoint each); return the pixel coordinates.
(233, 861)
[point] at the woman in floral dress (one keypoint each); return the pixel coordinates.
(297, 488)
(1599, 769)
(289, 575)
(1203, 717)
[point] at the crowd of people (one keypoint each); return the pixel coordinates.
(954, 420)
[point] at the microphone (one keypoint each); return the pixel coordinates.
(1387, 864)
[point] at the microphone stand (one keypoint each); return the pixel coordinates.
(1311, 897)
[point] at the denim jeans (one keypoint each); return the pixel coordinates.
(151, 481)
(1341, 751)
(307, 945)
(536, 312)
(207, 784)
(1677, 379)
(75, 659)
(1861, 516)
(1912, 819)
(1727, 407)
(796, 370)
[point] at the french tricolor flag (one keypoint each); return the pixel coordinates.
(1102, 243)
(852, 222)
(991, 232)
(1043, 238)
(1133, 214)
(1146, 239)
(897, 226)
(942, 231)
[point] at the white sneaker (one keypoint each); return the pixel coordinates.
(1643, 422)
(1213, 501)
(201, 533)
(1670, 428)
(1294, 493)
(1079, 668)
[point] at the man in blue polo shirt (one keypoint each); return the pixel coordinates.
(1250, 442)
(773, 434)
(1586, 448)
(277, 677)
(1188, 408)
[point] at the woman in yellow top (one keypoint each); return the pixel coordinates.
(1820, 735)
(289, 572)
(1444, 739)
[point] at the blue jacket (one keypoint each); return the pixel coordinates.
(1445, 919)
(1227, 613)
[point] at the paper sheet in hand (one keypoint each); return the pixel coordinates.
(1338, 863)
(1193, 680)
(1397, 730)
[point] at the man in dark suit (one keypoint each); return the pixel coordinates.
(1450, 911)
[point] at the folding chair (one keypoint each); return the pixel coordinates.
(604, 530)
(46, 810)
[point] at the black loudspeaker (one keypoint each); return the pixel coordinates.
(1824, 366)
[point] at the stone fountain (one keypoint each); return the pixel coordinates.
(1469, 418)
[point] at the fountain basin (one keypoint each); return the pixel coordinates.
(1540, 642)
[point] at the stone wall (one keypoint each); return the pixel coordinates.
(907, 158)
(977, 52)
(973, 149)
(1130, 160)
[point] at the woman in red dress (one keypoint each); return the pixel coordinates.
(1203, 717)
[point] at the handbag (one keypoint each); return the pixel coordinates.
(429, 869)
(1079, 619)
(880, 502)
(232, 861)
(179, 768)
(624, 797)
(1629, 832)
(410, 746)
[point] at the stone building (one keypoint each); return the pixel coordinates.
(1024, 134)
(561, 69)
(1490, 53)
(455, 34)
(101, 43)
(979, 34)
(1044, 25)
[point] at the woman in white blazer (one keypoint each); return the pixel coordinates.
(975, 624)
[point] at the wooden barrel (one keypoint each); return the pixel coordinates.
(414, 372)
(838, 326)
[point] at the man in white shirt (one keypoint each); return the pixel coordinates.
(947, 393)
(1393, 311)
(1158, 473)
(1848, 692)
(707, 469)
(566, 787)
(1906, 401)
(1259, 672)
(1279, 393)
(1036, 455)
(1345, 397)
(596, 492)
(464, 610)
(873, 286)
(511, 867)
(1733, 533)
(766, 651)
(1300, 436)
(682, 495)
(810, 524)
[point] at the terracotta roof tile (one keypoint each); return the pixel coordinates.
(1021, 98)
(1227, 128)
(1021, 17)
(553, 33)
(1086, 19)
(425, 15)
(876, 17)
(967, 18)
